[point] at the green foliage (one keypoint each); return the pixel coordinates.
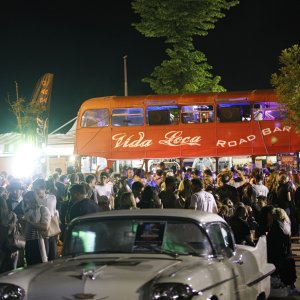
(179, 21)
(287, 83)
(185, 72)
(26, 114)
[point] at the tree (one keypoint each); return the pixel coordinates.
(26, 114)
(32, 116)
(179, 22)
(287, 83)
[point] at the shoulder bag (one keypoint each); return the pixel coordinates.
(53, 228)
(16, 240)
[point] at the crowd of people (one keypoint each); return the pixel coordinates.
(254, 203)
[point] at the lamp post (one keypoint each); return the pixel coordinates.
(125, 76)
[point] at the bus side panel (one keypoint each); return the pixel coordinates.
(190, 140)
(93, 141)
(272, 137)
(295, 141)
(202, 140)
(234, 139)
(166, 141)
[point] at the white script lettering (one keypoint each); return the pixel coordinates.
(171, 138)
(174, 138)
(131, 141)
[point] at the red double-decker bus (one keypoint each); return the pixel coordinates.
(249, 123)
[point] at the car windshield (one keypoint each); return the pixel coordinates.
(129, 235)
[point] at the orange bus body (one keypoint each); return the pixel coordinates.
(182, 140)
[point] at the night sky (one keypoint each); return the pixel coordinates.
(83, 44)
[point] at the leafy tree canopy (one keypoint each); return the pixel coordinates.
(27, 113)
(184, 72)
(287, 83)
(179, 21)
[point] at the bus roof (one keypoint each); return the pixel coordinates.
(252, 95)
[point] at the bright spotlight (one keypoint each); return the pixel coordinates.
(26, 160)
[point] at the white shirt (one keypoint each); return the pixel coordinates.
(104, 190)
(49, 201)
(204, 201)
(260, 190)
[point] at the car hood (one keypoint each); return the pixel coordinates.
(108, 277)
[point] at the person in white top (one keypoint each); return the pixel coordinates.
(259, 189)
(105, 188)
(36, 217)
(49, 201)
(202, 200)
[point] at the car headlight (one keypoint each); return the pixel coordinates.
(11, 292)
(169, 291)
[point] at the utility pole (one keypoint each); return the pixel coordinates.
(17, 90)
(125, 76)
(17, 108)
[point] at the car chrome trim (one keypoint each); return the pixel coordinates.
(257, 280)
(218, 283)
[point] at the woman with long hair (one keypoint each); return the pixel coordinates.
(296, 181)
(279, 247)
(284, 192)
(272, 180)
(36, 220)
(240, 227)
(296, 197)
(149, 198)
(246, 195)
(186, 192)
(272, 184)
(127, 201)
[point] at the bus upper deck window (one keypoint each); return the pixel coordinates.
(95, 118)
(234, 112)
(163, 115)
(268, 111)
(128, 116)
(197, 114)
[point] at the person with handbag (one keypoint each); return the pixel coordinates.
(8, 223)
(41, 187)
(36, 219)
(279, 248)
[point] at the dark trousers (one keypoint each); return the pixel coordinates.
(9, 261)
(287, 271)
(32, 252)
(51, 247)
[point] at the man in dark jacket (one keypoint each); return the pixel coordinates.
(227, 190)
(168, 197)
(83, 207)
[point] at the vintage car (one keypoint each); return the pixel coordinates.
(146, 254)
